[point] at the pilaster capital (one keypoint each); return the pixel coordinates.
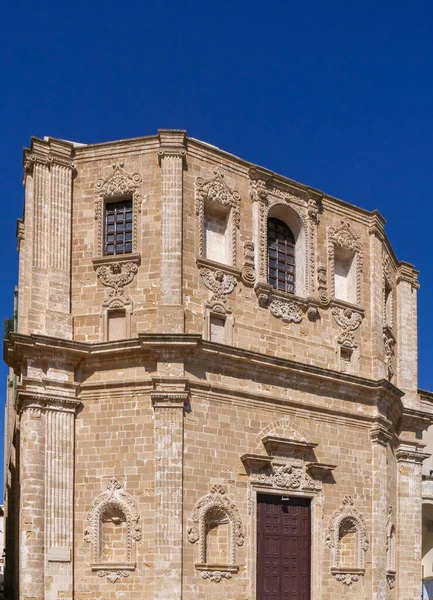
(377, 225)
(169, 392)
(379, 434)
(38, 403)
(411, 453)
(172, 143)
(407, 272)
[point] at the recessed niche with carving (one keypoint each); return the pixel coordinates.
(218, 212)
(348, 541)
(116, 321)
(218, 531)
(346, 263)
(391, 549)
(345, 275)
(113, 530)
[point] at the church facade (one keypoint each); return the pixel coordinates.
(213, 389)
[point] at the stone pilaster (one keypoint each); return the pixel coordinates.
(45, 243)
(380, 437)
(170, 316)
(32, 500)
(169, 405)
(59, 477)
(407, 335)
(377, 237)
(409, 515)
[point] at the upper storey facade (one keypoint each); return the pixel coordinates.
(167, 234)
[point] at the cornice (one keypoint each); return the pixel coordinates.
(41, 402)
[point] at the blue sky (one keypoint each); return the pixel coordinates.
(337, 95)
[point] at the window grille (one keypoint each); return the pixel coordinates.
(281, 256)
(118, 227)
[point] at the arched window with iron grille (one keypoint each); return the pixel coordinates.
(281, 256)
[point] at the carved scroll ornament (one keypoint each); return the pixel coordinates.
(349, 320)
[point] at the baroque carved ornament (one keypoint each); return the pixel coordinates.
(217, 190)
(220, 284)
(290, 475)
(349, 320)
(288, 312)
(116, 275)
(248, 275)
(119, 183)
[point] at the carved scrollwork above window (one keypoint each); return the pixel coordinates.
(288, 308)
(119, 184)
(348, 541)
(215, 510)
(113, 529)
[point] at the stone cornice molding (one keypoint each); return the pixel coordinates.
(169, 392)
(377, 225)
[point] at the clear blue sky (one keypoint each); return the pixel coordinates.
(337, 95)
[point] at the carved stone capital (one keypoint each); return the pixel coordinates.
(380, 435)
(172, 143)
(169, 399)
(32, 158)
(412, 456)
(406, 272)
(38, 403)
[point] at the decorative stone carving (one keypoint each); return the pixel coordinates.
(116, 275)
(220, 284)
(113, 576)
(391, 549)
(343, 237)
(113, 497)
(291, 475)
(349, 320)
(347, 514)
(288, 312)
(389, 343)
(216, 500)
(216, 576)
(118, 183)
(322, 285)
(263, 292)
(248, 270)
(218, 191)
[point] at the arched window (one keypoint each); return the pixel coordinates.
(281, 256)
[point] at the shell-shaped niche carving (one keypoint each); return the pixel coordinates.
(217, 528)
(113, 529)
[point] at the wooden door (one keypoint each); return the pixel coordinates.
(283, 548)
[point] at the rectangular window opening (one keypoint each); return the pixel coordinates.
(118, 227)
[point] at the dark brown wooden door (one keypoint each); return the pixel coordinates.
(283, 548)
